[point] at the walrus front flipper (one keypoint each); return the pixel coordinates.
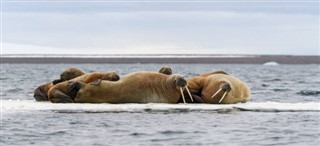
(59, 97)
(165, 70)
(73, 89)
(39, 94)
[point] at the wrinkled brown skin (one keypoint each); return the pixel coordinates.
(204, 86)
(238, 92)
(41, 93)
(59, 93)
(195, 85)
(137, 87)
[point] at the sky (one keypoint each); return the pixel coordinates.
(268, 27)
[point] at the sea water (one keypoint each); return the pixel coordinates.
(284, 110)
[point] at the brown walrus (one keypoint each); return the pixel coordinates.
(215, 87)
(41, 93)
(218, 87)
(137, 87)
(59, 93)
(224, 89)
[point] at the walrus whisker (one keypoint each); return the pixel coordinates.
(189, 93)
(216, 93)
(184, 100)
(223, 96)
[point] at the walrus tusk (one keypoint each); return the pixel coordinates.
(223, 96)
(216, 93)
(189, 93)
(184, 100)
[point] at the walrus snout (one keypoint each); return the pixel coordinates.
(39, 94)
(180, 81)
(226, 86)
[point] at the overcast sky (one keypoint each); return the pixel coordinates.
(289, 27)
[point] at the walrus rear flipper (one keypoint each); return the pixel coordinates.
(57, 81)
(59, 97)
(95, 82)
(39, 94)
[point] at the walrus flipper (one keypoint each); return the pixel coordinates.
(39, 94)
(197, 99)
(59, 97)
(57, 81)
(95, 82)
(73, 89)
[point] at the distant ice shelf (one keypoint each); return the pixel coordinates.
(273, 63)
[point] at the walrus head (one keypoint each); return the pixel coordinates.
(39, 93)
(165, 70)
(224, 86)
(71, 73)
(181, 83)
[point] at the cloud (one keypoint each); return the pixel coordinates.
(222, 32)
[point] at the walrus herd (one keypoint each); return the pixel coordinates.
(76, 86)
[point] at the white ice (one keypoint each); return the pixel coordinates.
(24, 105)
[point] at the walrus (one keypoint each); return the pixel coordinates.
(69, 74)
(59, 92)
(41, 92)
(214, 87)
(218, 87)
(224, 89)
(136, 87)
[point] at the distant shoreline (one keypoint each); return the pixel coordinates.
(118, 59)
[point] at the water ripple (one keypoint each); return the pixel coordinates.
(309, 93)
(170, 132)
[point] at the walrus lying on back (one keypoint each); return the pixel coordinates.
(41, 93)
(218, 87)
(215, 87)
(137, 87)
(59, 92)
